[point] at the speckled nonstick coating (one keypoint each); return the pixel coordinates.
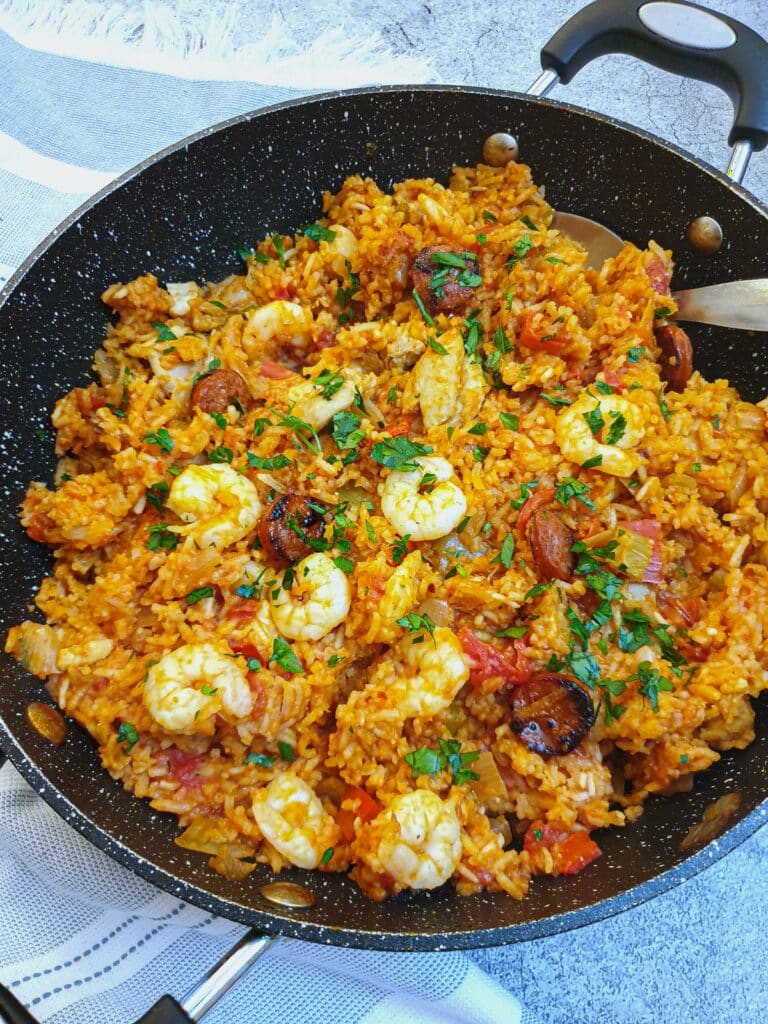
(182, 214)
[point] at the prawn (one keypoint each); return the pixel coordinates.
(399, 597)
(447, 385)
(177, 705)
(285, 322)
(416, 840)
(316, 603)
(343, 246)
(308, 402)
(428, 514)
(577, 440)
(220, 505)
(292, 819)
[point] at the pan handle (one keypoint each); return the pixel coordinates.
(194, 1005)
(680, 37)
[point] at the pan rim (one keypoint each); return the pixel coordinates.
(273, 921)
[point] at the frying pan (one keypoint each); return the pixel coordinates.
(184, 212)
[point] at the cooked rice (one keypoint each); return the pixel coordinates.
(114, 607)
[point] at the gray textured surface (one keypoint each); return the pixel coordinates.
(699, 952)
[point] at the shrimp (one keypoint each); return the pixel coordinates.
(343, 246)
(578, 443)
(182, 293)
(417, 840)
(430, 674)
(423, 515)
(400, 595)
(294, 821)
(177, 705)
(447, 386)
(278, 321)
(220, 504)
(309, 404)
(316, 603)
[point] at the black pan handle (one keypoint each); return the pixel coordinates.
(679, 37)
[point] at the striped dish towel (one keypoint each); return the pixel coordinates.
(83, 941)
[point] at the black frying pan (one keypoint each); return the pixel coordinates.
(183, 214)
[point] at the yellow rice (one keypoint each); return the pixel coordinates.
(113, 606)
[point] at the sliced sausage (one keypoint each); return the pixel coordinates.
(287, 527)
(551, 542)
(551, 713)
(676, 358)
(217, 390)
(438, 285)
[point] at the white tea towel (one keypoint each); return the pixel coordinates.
(84, 941)
(89, 90)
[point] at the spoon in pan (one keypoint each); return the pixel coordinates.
(739, 304)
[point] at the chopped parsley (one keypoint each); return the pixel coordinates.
(161, 537)
(507, 552)
(661, 312)
(161, 438)
(520, 250)
(220, 454)
(345, 564)
(128, 735)
(509, 420)
(596, 460)
(214, 364)
(489, 217)
(666, 412)
(617, 428)
(554, 259)
(414, 623)
(287, 752)
(528, 223)
(525, 494)
(327, 856)
(435, 345)
(427, 318)
(273, 462)
(335, 659)
(431, 760)
(400, 548)
(472, 337)
(262, 760)
(536, 591)
(164, 333)
(260, 425)
(277, 242)
(345, 428)
(399, 453)
(569, 489)
(603, 388)
(282, 655)
(594, 419)
(328, 383)
(317, 232)
(556, 400)
(636, 353)
(652, 683)
(119, 410)
(207, 690)
(511, 632)
(479, 452)
(157, 494)
(391, 396)
(198, 595)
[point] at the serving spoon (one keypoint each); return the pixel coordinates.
(739, 304)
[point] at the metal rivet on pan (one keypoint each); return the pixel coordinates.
(705, 234)
(288, 894)
(499, 149)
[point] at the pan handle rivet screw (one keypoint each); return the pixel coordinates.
(288, 894)
(705, 234)
(500, 149)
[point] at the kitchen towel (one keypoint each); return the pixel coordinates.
(89, 90)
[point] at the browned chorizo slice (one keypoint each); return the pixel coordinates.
(676, 358)
(551, 542)
(217, 390)
(443, 287)
(551, 713)
(287, 527)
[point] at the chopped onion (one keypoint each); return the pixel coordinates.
(438, 610)
(490, 785)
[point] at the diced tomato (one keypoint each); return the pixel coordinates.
(274, 371)
(571, 851)
(659, 274)
(538, 499)
(367, 807)
(183, 766)
(485, 661)
(248, 651)
(614, 379)
(243, 612)
(539, 334)
(682, 612)
(400, 426)
(325, 339)
(286, 292)
(410, 545)
(650, 528)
